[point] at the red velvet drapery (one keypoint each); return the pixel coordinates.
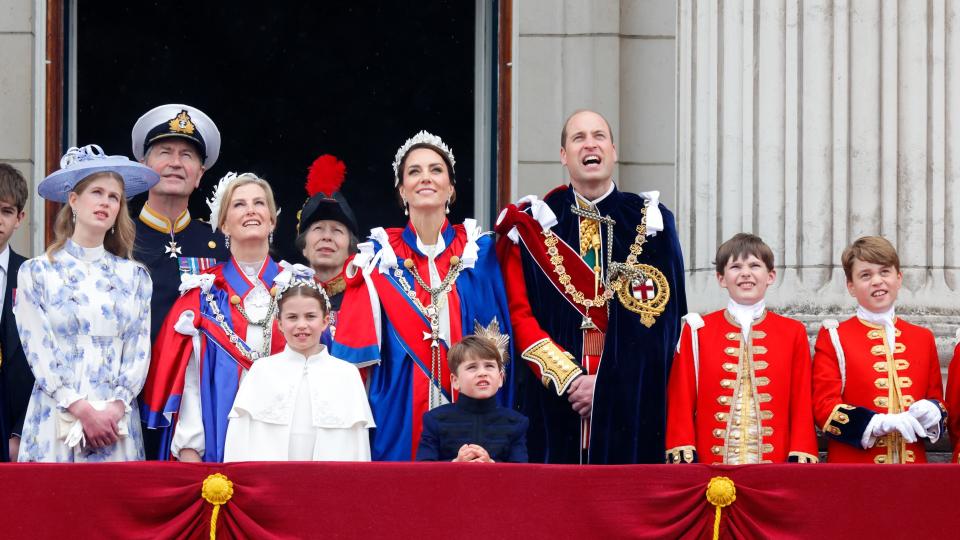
(423, 500)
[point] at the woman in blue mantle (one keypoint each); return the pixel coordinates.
(222, 323)
(413, 292)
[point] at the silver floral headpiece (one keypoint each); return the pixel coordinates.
(424, 137)
(499, 339)
(297, 275)
(216, 200)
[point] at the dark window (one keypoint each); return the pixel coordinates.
(286, 82)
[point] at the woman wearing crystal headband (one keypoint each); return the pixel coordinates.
(83, 313)
(221, 324)
(414, 292)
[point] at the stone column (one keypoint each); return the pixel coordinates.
(814, 122)
(614, 56)
(18, 114)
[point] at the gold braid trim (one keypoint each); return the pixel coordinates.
(556, 365)
(335, 286)
(838, 417)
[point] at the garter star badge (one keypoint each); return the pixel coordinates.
(646, 293)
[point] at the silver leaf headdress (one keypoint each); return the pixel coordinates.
(424, 137)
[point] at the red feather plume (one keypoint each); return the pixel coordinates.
(325, 175)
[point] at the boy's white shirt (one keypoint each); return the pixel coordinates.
(745, 315)
(5, 266)
(884, 319)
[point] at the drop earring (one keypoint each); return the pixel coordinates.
(226, 241)
(448, 206)
(113, 230)
(74, 212)
(270, 238)
(406, 208)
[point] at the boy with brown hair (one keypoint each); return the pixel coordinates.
(16, 379)
(739, 389)
(474, 427)
(877, 389)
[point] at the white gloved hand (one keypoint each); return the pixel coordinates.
(883, 424)
(873, 430)
(926, 413)
(906, 424)
(929, 415)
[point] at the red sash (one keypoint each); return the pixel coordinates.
(581, 275)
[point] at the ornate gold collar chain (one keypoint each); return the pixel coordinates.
(432, 313)
(614, 271)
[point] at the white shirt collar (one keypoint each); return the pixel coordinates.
(298, 356)
(598, 199)
(5, 258)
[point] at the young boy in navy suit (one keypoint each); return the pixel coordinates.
(473, 428)
(16, 379)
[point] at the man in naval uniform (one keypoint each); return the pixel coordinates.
(597, 313)
(180, 143)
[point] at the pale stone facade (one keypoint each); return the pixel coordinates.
(614, 56)
(813, 123)
(19, 113)
(808, 122)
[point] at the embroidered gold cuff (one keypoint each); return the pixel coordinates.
(681, 454)
(803, 457)
(556, 365)
(837, 416)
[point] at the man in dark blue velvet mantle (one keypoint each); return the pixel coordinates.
(597, 313)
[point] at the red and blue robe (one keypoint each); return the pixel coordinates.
(221, 362)
(381, 327)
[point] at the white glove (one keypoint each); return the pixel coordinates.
(884, 424)
(926, 413)
(929, 416)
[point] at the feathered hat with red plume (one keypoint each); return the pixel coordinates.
(324, 179)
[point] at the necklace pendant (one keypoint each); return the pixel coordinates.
(172, 248)
(587, 323)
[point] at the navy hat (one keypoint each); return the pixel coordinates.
(79, 163)
(324, 179)
(181, 121)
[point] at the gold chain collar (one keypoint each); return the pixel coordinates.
(601, 299)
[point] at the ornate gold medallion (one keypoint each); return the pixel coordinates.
(646, 294)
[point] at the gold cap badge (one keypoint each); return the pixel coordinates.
(182, 124)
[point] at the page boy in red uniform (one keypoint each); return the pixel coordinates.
(739, 389)
(877, 389)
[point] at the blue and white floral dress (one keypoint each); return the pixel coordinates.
(84, 320)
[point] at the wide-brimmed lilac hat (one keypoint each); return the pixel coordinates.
(79, 163)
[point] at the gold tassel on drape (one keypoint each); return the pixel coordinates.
(720, 492)
(217, 490)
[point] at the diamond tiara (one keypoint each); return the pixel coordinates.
(424, 137)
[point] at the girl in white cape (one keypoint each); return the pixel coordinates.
(300, 404)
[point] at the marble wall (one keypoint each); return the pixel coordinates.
(18, 110)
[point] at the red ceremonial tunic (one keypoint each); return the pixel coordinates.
(877, 381)
(953, 402)
(750, 403)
